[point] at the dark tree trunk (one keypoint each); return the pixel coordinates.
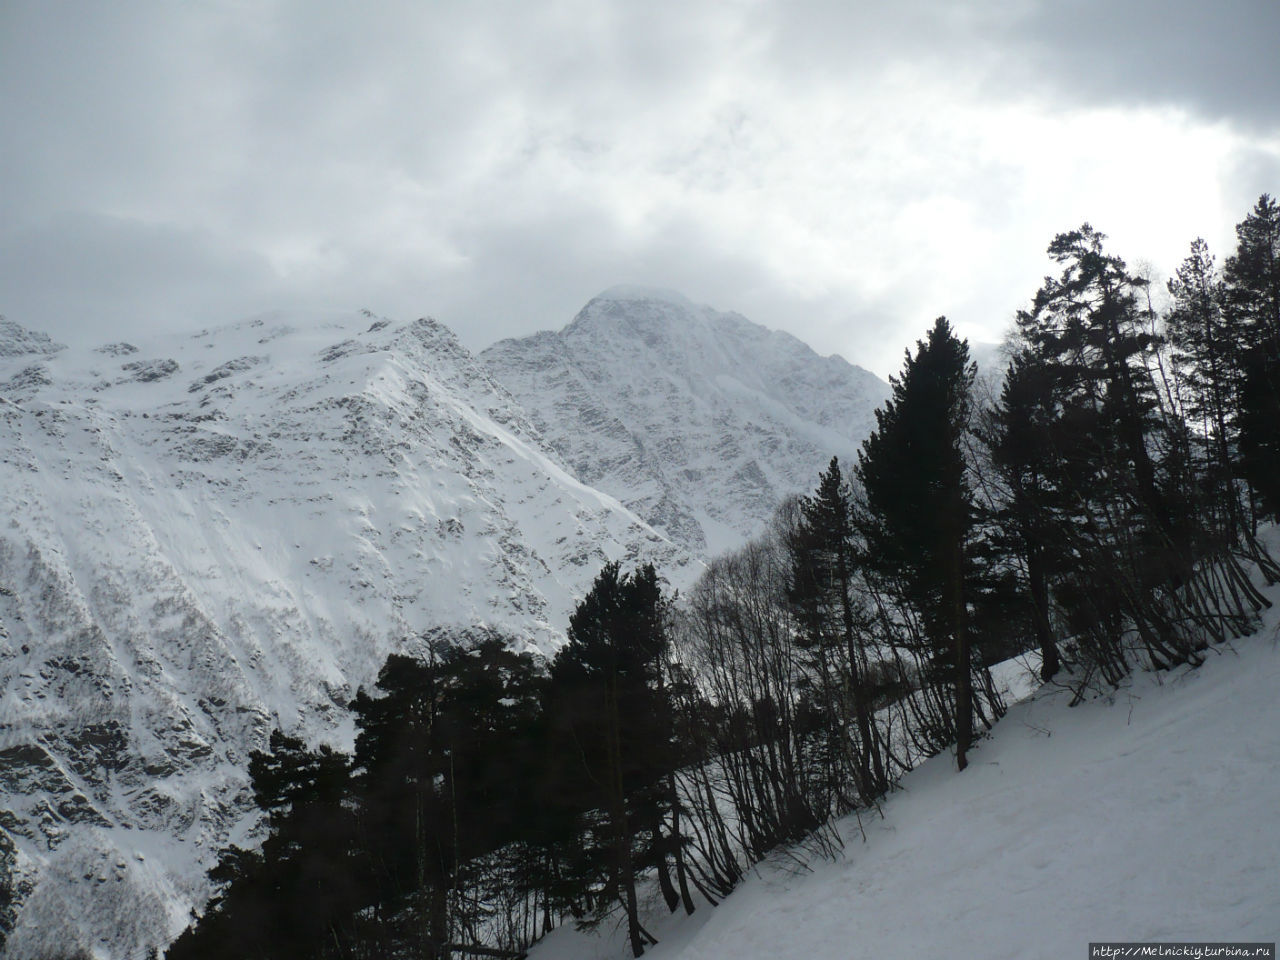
(1050, 663)
(664, 874)
(678, 846)
(964, 674)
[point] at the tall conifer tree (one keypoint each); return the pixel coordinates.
(1252, 296)
(612, 711)
(919, 507)
(821, 589)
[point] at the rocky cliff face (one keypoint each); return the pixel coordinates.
(205, 537)
(699, 421)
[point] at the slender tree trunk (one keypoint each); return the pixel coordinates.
(660, 863)
(964, 699)
(678, 845)
(628, 880)
(964, 675)
(1050, 662)
(871, 781)
(625, 874)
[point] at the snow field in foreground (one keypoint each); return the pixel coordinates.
(1151, 814)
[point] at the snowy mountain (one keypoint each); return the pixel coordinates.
(203, 537)
(207, 536)
(699, 421)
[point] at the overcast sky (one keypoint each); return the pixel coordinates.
(846, 171)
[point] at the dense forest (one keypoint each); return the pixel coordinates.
(1100, 505)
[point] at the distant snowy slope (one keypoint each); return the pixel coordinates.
(699, 421)
(202, 537)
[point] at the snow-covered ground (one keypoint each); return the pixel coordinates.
(1147, 815)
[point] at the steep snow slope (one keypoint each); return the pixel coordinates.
(699, 421)
(202, 537)
(1146, 815)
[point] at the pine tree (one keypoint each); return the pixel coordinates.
(919, 507)
(446, 761)
(1252, 297)
(1016, 434)
(1209, 364)
(1121, 506)
(822, 588)
(404, 807)
(611, 711)
(1206, 354)
(1252, 276)
(301, 895)
(1227, 395)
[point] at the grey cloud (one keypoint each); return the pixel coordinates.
(1217, 59)
(1253, 172)
(87, 278)
(497, 163)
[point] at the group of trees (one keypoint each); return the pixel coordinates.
(1103, 508)
(390, 849)
(833, 653)
(489, 796)
(1133, 458)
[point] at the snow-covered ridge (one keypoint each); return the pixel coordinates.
(699, 421)
(205, 536)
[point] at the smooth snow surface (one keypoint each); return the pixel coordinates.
(1148, 815)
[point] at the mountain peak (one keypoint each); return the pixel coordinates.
(700, 422)
(631, 292)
